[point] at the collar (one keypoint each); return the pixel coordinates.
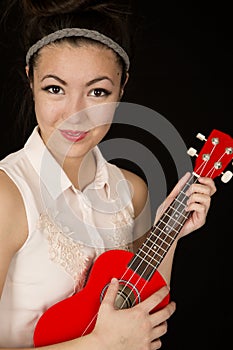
(51, 173)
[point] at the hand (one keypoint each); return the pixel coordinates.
(134, 328)
(198, 202)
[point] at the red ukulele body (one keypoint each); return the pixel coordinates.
(76, 315)
(137, 273)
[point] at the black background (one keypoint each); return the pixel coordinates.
(182, 69)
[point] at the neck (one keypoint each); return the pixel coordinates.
(80, 171)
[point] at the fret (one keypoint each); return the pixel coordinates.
(186, 186)
(146, 254)
(149, 256)
(161, 237)
(182, 195)
(168, 227)
(145, 266)
(151, 251)
(175, 212)
(165, 230)
(174, 215)
(154, 246)
(177, 205)
(178, 217)
(160, 242)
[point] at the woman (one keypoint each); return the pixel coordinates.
(70, 205)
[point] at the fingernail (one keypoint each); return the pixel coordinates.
(113, 280)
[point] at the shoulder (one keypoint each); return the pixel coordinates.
(139, 190)
(13, 222)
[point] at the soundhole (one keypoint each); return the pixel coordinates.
(127, 295)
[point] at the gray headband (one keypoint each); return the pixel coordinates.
(87, 33)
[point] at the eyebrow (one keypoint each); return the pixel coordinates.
(54, 77)
(91, 82)
(96, 80)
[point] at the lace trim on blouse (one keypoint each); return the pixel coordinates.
(123, 221)
(74, 257)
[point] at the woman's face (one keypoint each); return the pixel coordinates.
(75, 90)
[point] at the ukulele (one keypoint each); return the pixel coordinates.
(137, 273)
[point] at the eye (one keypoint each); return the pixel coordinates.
(54, 89)
(99, 92)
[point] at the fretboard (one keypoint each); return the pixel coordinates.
(162, 235)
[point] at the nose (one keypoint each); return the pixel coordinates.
(79, 113)
(76, 105)
(75, 112)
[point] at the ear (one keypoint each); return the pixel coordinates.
(123, 86)
(27, 73)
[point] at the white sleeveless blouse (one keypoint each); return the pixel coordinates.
(67, 230)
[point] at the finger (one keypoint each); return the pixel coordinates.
(162, 315)
(199, 210)
(111, 292)
(196, 188)
(209, 182)
(156, 344)
(155, 299)
(201, 198)
(159, 331)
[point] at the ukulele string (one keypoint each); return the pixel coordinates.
(159, 247)
(213, 169)
(152, 249)
(202, 166)
(180, 220)
(194, 175)
(218, 161)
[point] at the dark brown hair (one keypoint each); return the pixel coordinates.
(42, 17)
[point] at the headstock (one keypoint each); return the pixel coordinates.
(214, 156)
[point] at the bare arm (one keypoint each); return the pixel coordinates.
(13, 224)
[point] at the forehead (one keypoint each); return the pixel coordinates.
(65, 55)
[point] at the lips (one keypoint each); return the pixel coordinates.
(73, 135)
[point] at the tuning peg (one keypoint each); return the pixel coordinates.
(226, 176)
(192, 152)
(201, 137)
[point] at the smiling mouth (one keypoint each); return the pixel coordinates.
(72, 135)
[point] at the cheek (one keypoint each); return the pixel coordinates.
(100, 131)
(46, 113)
(101, 114)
